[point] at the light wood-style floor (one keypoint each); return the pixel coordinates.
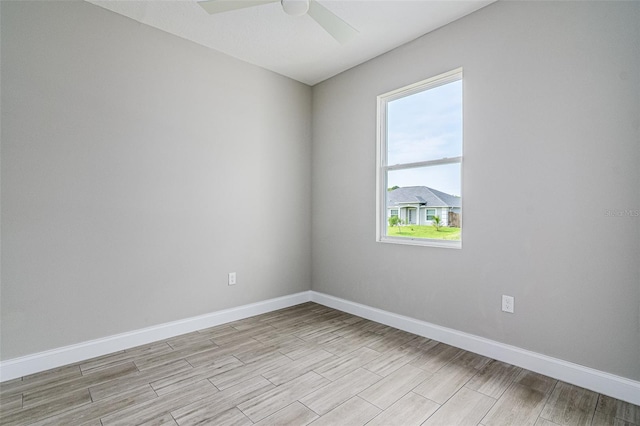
(307, 364)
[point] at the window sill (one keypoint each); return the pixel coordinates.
(421, 242)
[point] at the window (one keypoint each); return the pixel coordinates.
(419, 163)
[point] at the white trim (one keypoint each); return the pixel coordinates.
(589, 378)
(46, 360)
(421, 86)
(425, 242)
(403, 166)
(383, 168)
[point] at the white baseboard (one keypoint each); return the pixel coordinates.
(46, 360)
(588, 378)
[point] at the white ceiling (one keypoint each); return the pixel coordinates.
(296, 46)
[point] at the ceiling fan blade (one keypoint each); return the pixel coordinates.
(331, 23)
(219, 6)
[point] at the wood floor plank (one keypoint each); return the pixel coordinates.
(279, 340)
(124, 357)
(393, 387)
(603, 419)
(159, 406)
(81, 383)
(9, 387)
(298, 367)
(341, 346)
(247, 371)
(10, 402)
(535, 381)
(40, 381)
(271, 401)
(354, 412)
(164, 419)
(375, 327)
(46, 408)
(312, 331)
(619, 409)
(545, 422)
(330, 396)
(122, 384)
(173, 382)
(392, 360)
(391, 340)
(247, 323)
(356, 333)
(186, 340)
(470, 360)
(410, 410)
(205, 409)
(519, 405)
(436, 357)
(216, 330)
(250, 332)
(255, 353)
(91, 423)
(422, 343)
(231, 417)
(465, 408)
(294, 414)
(320, 338)
(144, 363)
(443, 384)
(494, 378)
(301, 351)
(345, 364)
(210, 356)
(353, 319)
(570, 405)
(54, 374)
(96, 410)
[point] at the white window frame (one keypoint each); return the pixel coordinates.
(382, 168)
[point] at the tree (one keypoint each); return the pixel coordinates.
(395, 221)
(393, 187)
(436, 223)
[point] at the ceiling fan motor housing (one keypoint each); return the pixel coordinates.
(295, 7)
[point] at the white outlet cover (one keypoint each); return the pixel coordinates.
(508, 304)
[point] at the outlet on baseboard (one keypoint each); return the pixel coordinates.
(232, 278)
(507, 303)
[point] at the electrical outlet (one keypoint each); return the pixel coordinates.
(507, 303)
(232, 278)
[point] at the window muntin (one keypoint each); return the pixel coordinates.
(420, 162)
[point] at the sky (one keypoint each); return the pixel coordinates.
(426, 126)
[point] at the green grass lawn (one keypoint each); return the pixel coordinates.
(413, 231)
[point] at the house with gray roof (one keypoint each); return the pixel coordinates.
(417, 205)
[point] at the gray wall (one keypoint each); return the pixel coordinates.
(134, 165)
(552, 140)
(138, 169)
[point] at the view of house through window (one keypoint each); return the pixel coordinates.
(420, 163)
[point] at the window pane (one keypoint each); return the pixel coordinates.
(444, 178)
(426, 201)
(420, 163)
(425, 126)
